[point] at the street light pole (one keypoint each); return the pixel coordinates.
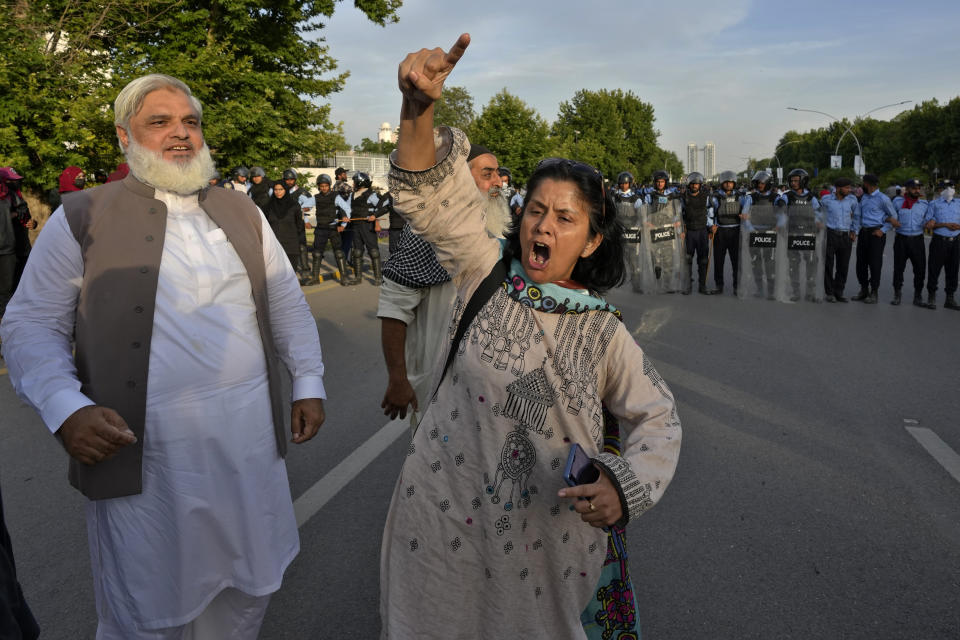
(849, 128)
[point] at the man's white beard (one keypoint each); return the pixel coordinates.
(182, 178)
(496, 211)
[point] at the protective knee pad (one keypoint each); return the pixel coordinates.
(374, 253)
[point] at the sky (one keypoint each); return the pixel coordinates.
(722, 71)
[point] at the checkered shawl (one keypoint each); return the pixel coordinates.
(413, 263)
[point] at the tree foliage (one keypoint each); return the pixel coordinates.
(369, 146)
(258, 68)
(925, 140)
(454, 108)
(612, 130)
(514, 132)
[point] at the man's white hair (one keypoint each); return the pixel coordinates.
(131, 97)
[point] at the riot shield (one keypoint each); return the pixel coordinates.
(804, 237)
(758, 251)
(664, 258)
(633, 235)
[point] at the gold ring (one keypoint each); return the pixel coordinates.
(593, 507)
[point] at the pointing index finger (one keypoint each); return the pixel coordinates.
(458, 48)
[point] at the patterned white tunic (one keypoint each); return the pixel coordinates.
(477, 544)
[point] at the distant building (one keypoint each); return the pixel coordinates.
(692, 157)
(387, 134)
(710, 160)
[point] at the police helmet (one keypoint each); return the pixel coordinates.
(660, 174)
(289, 174)
(946, 182)
(761, 176)
(324, 179)
(695, 178)
(258, 171)
(625, 176)
(727, 176)
(913, 182)
(216, 175)
(800, 173)
(361, 180)
(241, 172)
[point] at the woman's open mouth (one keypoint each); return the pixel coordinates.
(539, 255)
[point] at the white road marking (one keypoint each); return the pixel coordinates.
(349, 468)
(939, 449)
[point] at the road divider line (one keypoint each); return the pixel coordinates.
(937, 448)
(314, 498)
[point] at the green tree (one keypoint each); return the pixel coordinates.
(454, 108)
(514, 132)
(612, 130)
(257, 67)
(369, 146)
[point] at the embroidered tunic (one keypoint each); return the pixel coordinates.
(477, 544)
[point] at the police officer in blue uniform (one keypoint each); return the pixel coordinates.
(944, 221)
(912, 213)
(364, 209)
(838, 209)
(877, 217)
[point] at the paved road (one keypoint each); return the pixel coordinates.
(804, 506)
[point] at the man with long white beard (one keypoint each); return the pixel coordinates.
(187, 318)
(416, 299)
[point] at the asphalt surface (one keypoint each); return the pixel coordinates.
(802, 506)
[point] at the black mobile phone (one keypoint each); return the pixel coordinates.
(579, 468)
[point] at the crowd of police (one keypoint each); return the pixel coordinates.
(787, 243)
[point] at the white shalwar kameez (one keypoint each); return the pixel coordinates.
(215, 511)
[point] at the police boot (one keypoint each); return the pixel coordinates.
(951, 303)
(917, 299)
(689, 286)
(341, 259)
(931, 301)
(377, 277)
(862, 295)
(896, 298)
(796, 292)
(871, 297)
(771, 290)
(702, 279)
(357, 263)
(315, 272)
(759, 285)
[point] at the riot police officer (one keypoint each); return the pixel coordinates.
(728, 207)
(363, 215)
(804, 228)
(662, 244)
(328, 228)
(628, 199)
(697, 217)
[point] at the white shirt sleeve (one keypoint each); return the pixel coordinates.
(37, 329)
(399, 301)
(295, 332)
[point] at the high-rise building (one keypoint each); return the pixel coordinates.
(710, 160)
(386, 134)
(692, 157)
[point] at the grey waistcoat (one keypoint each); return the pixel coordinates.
(120, 227)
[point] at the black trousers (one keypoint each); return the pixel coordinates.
(698, 242)
(836, 262)
(870, 257)
(324, 234)
(909, 248)
(944, 254)
(364, 237)
(726, 240)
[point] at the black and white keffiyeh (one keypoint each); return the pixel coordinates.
(413, 263)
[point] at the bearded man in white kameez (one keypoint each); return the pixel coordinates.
(189, 326)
